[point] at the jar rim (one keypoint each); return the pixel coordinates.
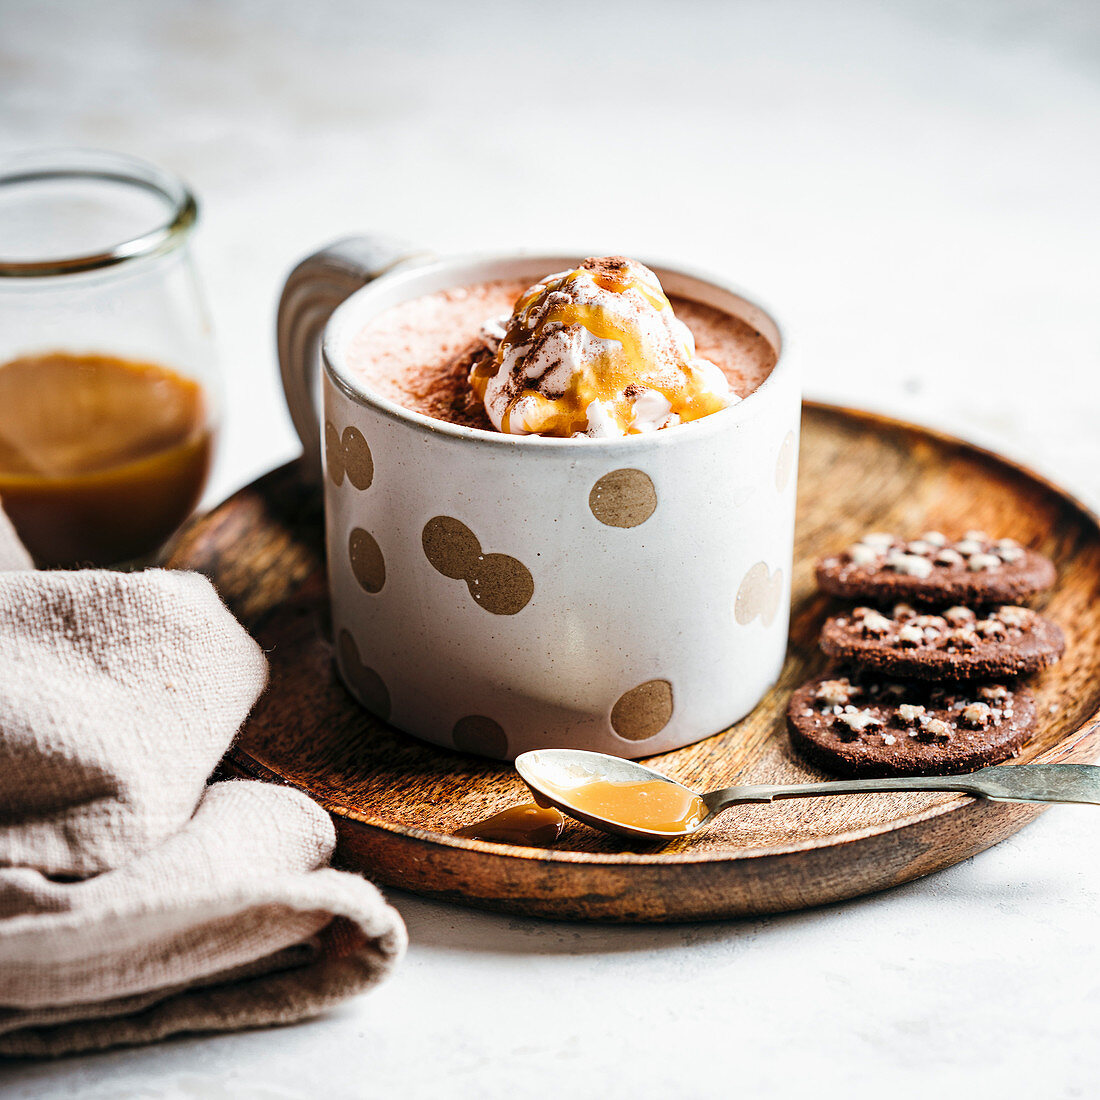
(96, 164)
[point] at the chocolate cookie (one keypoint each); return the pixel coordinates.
(973, 570)
(855, 726)
(955, 644)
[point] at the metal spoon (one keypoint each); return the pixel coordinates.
(550, 773)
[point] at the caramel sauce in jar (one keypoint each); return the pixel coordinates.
(101, 458)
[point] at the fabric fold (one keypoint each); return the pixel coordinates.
(226, 924)
(136, 901)
(119, 693)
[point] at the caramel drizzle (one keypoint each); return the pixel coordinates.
(608, 375)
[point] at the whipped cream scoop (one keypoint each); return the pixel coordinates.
(596, 351)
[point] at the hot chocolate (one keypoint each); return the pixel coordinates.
(419, 353)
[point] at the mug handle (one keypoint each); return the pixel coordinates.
(312, 292)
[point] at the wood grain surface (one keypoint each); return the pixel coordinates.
(397, 801)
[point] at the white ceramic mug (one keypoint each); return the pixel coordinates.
(497, 593)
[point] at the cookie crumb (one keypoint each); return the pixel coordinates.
(874, 623)
(909, 564)
(834, 693)
(878, 539)
(962, 637)
(1014, 616)
(858, 720)
(980, 562)
(862, 555)
(976, 715)
(957, 616)
(935, 729)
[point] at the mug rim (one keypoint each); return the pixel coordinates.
(412, 271)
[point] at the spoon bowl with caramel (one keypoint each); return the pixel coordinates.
(629, 799)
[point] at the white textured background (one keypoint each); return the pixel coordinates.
(914, 188)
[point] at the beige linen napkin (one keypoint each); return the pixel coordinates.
(135, 901)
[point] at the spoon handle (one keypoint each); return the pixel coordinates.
(1002, 783)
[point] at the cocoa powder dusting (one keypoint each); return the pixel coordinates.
(448, 396)
(418, 354)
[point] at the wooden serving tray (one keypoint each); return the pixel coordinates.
(397, 801)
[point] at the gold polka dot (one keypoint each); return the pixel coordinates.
(349, 455)
(450, 546)
(367, 562)
(334, 454)
(758, 594)
(784, 464)
(501, 584)
(481, 735)
(623, 498)
(643, 711)
(358, 463)
(365, 684)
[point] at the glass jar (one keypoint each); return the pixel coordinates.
(109, 387)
